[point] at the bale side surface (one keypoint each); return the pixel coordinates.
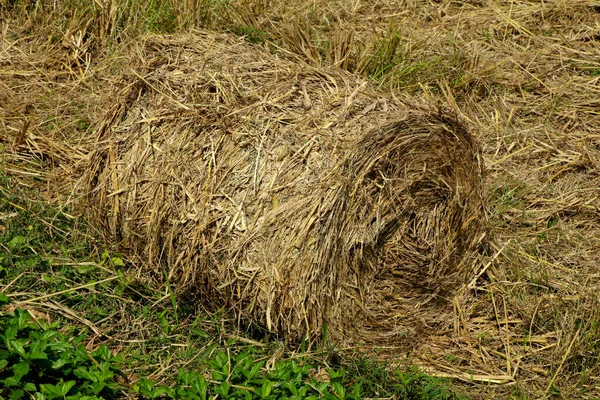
(295, 197)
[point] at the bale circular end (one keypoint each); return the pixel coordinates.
(412, 208)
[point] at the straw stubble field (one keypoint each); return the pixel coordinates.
(522, 76)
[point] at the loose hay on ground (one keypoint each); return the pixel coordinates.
(298, 198)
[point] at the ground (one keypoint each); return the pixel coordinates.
(523, 75)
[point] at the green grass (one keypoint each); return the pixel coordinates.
(41, 361)
(49, 361)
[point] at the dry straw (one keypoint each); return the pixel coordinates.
(300, 199)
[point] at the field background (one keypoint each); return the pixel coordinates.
(523, 75)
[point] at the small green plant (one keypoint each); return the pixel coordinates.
(407, 382)
(252, 34)
(39, 361)
(243, 376)
(385, 56)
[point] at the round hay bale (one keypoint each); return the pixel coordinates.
(301, 199)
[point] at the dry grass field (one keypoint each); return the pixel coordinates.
(522, 75)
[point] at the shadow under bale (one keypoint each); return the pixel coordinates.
(297, 198)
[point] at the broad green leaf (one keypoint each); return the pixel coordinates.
(255, 370)
(266, 388)
(11, 381)
(241, 394)
(16, 243)
(20, 370)
(103, 352)
(61, 347)
(291, 387)
(85, 268)
(17, 394)
(164, 324)
(36, 352)
(16, 347)
(39, 396)
(51, 391)
(218, 375)
(302, 391)
(338, 388)
(79, 339)
(185, 377)
(49, 335)
(79, 354)
(223, 389)
(65, 387)
(106, 374)
(200, 386)
(11, 332)
(4, 299)
(199, 332)
(159, 391)
(24, 319)
(118, 262)
(221, 359)
(333, 374)
(83, 373)
(97, 387)
(356, 390)
(143, 386)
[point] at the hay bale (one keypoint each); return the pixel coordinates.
(299, 198)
